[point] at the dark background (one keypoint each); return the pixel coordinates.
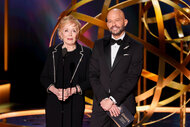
(31, 23)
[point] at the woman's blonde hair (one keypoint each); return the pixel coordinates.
(67, 19)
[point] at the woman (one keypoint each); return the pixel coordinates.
(65, 76)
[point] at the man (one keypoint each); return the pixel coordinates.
(114, 71)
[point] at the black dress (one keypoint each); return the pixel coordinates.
(69, 64)
(58, 71)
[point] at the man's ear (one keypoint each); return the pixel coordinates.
(126, 22)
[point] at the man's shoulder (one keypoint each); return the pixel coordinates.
(102, 41)
(106, 38)
(134, 42)
(137, 43)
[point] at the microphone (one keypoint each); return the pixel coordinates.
(64, 52)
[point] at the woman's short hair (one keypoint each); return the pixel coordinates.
(68, 19)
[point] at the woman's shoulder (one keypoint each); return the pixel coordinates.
(55, 47)
(84, 48)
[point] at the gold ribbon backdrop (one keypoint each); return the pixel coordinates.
(182, 18)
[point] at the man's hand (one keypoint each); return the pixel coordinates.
(114, 110)
(106, 104)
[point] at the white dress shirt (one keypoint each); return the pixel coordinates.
(115, 48)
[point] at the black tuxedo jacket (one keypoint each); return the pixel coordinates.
(119, 80)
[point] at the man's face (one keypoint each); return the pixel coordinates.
(116, 22)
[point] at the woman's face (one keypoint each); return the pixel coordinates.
(70, 33)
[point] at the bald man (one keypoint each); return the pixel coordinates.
(115, 67)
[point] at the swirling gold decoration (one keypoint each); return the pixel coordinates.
(183, 12)
(181, 16)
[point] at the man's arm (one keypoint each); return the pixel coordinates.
(94, 75)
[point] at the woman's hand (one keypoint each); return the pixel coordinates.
(67, 93)
(57, 92)
(73, 90)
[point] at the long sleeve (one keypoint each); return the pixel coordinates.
(94, 75)
(47, 76)
(86, 83)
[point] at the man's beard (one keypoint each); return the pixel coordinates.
(119, 32)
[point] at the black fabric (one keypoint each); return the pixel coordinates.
(113, 41)
(58, 71)
(70, 62)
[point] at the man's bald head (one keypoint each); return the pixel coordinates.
(116, 11)
(116, 22)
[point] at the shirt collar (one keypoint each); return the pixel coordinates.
(121, 37)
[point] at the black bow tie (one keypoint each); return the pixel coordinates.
(119, 42)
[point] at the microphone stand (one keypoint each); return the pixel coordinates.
(62, 106)
(72, 66)
(64, 52)
(71, 105)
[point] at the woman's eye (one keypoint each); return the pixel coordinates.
(66, 30)
(74, 31)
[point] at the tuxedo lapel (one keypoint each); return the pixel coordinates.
(107, 55)
(125, 46)
(107, 52)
